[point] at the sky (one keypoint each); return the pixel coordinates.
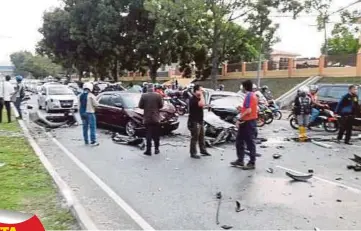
(20, 20)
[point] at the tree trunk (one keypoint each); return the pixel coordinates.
(80, 74)
(153, 72)
(115, 71)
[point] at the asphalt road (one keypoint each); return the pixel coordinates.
(172, 191)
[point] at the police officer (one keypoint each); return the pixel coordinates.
(348, 108)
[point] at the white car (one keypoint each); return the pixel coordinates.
(53, 97)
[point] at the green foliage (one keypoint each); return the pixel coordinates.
(342, 42)
(38, 66)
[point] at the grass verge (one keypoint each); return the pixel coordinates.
(278, 86)
(26, 185)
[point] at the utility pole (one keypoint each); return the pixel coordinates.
(259, 66)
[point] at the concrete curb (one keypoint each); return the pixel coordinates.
(74, 205)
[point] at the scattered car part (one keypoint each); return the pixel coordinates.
(310, 170)
(226, 227)
(270, 170)
(219, 198)
(263, 146)
(276, 156)
(238, 207)
(339, 178)
(280, 147)
(338, 200)
(321, 144)
(299, 177)
(358, 158)
(126, 140)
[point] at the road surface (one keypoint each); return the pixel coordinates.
(122, 189)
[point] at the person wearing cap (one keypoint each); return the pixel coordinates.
(151, 102)
(87, 107)
(6, 92)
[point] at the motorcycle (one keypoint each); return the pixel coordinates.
(266, 114)
(327, 119)
(277, 114)
(181, 106)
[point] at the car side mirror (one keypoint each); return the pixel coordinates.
(118, 105)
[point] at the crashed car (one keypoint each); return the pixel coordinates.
(218, 131)
(120, 110)
(226, 107)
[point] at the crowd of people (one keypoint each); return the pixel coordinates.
(306, 108)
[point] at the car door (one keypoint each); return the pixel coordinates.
(119, 114)
(102, 111)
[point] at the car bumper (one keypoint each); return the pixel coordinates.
(53, 107)
(171, 126)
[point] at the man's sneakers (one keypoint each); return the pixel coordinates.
(94, 144)
(195, 156)
(156, 151)
(147, 153)
(240, 164)
(348, 143)
(205, 153)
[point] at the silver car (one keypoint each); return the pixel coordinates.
(57, 98)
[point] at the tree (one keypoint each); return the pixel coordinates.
(216, 22)
(38, 66)
(19, 59)
(342, 42)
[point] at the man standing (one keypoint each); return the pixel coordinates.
(6, 92)
(247, 129)
(151, 102)
(195, 122)
(348, 108)
(20, 94)
(302, 110)
(87, 106)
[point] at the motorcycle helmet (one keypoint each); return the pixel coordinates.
(145, 84)
(313, 89)
(303, 91)
(88, 86)
(221, 87)
(264, 87)
(241, 87)
(254, 87)
(19, 78)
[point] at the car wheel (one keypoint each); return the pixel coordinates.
(130, 128)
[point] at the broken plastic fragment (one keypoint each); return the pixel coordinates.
(270, 170)
(226, 227)
(299, 177)
(310, 170)
(276, 156)
(339, 178)
(338, 200)
(238, 207)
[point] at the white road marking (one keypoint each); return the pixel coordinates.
(117, 199)
(220, 149)
(352, 189)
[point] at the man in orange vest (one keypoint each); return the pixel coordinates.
(247, 128)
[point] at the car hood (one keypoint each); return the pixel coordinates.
(215, 121)
(62, 97)
(166, 108)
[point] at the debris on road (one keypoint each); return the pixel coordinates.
(316, 229)
(276, 156)
(321, 144)
(338, 200)
(338, 178)
(280, 147)
(226, 227)
(310, 170)
(299, 177)
(219, 198)
(238, 207)
(263, 146)
(270, 170)
(126, 140)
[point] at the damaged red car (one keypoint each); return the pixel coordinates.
(120, 110)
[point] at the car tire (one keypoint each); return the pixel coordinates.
(130, 128)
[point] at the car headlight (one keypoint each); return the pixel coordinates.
(55, 101)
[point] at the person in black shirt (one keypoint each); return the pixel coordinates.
(348, 108)
(195, 122)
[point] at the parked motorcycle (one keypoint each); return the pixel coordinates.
(180, 105)
(265, 113)
(277, 114)
(327, 119)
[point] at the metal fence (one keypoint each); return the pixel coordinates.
(347, 60)
(272, 65)
(304, 63)
(253, 66)
(234, 67)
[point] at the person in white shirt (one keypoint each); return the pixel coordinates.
(6, 92)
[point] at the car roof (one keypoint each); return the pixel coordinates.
(119, 93)
(336, 84)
